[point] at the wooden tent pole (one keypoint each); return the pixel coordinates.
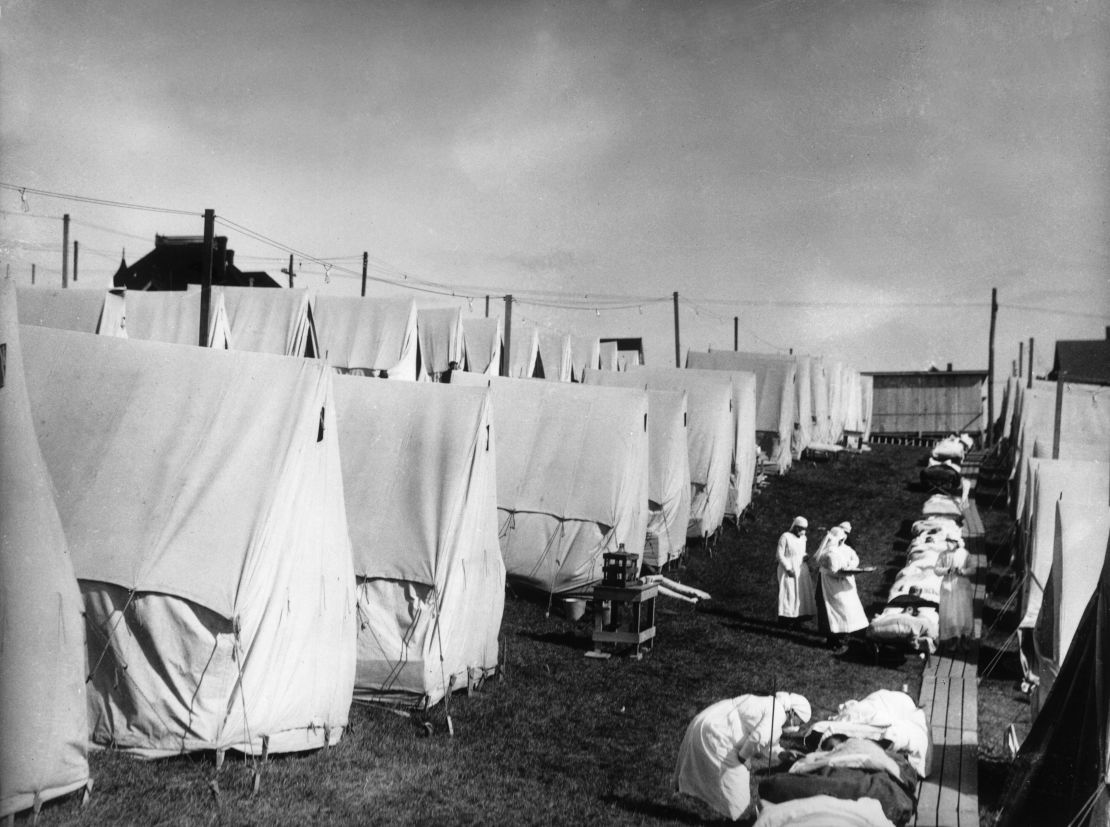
(990, 369)
(365, 259)
(65, 250)
(1030, 363)
(1059, 414)
(206, 275)
(677, 340)
(506, 354)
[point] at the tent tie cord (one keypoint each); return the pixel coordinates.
(1007, 604)
(1086, 809)
(995, 660)
(560, 531)
(108, 636)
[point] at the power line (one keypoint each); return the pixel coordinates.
(103, 202)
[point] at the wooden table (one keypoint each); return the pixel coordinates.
(630, 621)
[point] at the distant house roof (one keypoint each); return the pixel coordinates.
(176, 261)
(1086, 361)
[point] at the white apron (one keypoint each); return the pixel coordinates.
(842, 603)
(795, 593)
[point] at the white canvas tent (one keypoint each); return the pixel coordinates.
(440, 332)
(202, 498)
(1062, 773)
(173, 317)
(555, 355)
(775, 393)
(77, 308)
(711, 434)
(524, 350)
(572, 477)
(482, 339)
(367, 336)
(585, 355)
(608, 355)
(822, 417)
(421, 492)
(669, 481)
(268, 320)
(1082, 532)
(745, 448)
(42, 633)
(1084, 426)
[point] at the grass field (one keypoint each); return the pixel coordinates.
(558, 738)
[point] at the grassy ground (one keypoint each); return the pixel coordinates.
(559, 738)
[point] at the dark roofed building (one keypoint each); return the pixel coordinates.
(176, 261)
(1083, 360)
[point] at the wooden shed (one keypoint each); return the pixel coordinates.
(927, 403)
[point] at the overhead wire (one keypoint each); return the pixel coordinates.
(388, 274)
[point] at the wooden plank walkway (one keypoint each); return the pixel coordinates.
(949, 797)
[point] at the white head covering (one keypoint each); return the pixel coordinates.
(800, 522)
(792, 702)
(846, 527)
(966, 440)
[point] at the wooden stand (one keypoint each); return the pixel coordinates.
(631, 620)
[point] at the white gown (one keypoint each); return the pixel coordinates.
(842, 603)
(795, 593)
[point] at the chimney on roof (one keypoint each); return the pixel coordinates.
(1108, 332)
(949, 367)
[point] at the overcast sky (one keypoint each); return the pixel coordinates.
(849, 179)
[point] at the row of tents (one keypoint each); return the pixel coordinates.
(1057, 439)
(253, 538)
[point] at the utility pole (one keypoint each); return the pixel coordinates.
(365, 258)
(1030, 363)
(32, 275)
(1059, 414)
(290, 271)
(990, 369)
(487, 305)
(1021, 358)
(65, 250)
(735, 332)
(677, 340)
(75, 262)
(206, 275)
(506, 355)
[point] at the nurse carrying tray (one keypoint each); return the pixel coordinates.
(839, 610)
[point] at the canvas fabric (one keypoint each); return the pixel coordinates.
(269, 320)
(1081, 535)
(228, 531)
(173, 317)
(482, 341)
(361, 334)
(669, 480)
(585, 355)
(75, 308)
(710, 434)
(822, 417)
(420, 475)
(556, 355)
(745, 449)
(1074, 481)
(42, 634)
(572, 477)
(440, 331)
(776, 395)
(607, 353)
(523, 352)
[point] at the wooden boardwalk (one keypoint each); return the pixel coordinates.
(949, 797)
